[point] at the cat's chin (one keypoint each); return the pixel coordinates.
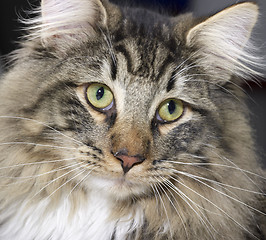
(119, 188)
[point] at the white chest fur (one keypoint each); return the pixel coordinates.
(88, 222)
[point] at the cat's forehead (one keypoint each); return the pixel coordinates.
(152, 69)
(145, 42)
(147, 62)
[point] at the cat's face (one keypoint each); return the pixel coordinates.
(136, 115)
(133, 120)
(132, 113)
(128, 103)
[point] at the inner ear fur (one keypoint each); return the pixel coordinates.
(62, 24)
(222, 42)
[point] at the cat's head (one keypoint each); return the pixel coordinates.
(132, 98)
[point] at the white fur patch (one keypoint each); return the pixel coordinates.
(88, 222)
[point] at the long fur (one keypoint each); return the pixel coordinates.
(61, 175)
(225, 44)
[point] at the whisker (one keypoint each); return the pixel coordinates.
(185, 198)
(215, 165)
(181, 65)
(159, 195)
(223, 211)
(196, 179)
(173, 205)
(109, 44)
(42, 174)
(37, 163)
(221, 87)
(155, 194)
(190, 78)
(44, 124)
(66, 182)
(237, 167)
(36, 144)
(54, 180)
(172, 186)
(80, 182)
(229, 186)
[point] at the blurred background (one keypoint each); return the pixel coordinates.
(9, 33)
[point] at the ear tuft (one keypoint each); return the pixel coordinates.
(223, 41)
(67, 21)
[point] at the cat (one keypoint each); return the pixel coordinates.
(122, 123)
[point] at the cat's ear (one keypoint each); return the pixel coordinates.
(64, 22)
(222, 44)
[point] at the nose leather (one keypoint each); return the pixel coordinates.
(127, 162)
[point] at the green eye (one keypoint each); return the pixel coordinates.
(99, 96)
(170, 110)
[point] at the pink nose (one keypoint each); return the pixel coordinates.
(127, 162)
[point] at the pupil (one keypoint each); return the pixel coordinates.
(171, 107)
(100, 93)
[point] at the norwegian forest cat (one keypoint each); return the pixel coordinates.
(122, 123)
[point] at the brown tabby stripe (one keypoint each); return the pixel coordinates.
(122, 49)
(113, 69)
(162, 69)
(51, 90)
(171, 83)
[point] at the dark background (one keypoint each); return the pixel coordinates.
(10, 10)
